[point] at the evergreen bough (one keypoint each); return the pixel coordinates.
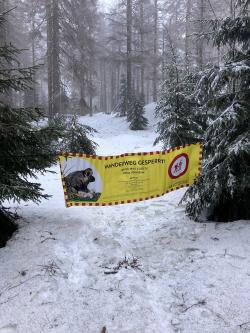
(136, 114)
(181, 121)
(222, 193)
(178, 111)
(26, 146)
(75, 137)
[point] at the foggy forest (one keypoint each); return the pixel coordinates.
(83, 48)
(124, 166)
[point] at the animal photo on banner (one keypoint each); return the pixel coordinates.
(82, 181)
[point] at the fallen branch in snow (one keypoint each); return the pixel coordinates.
(19, 284)
(48, 238)
(98, 290)
(125, 263)
(218, 315)
(183, 301)
(52, 269)
(244, 324)
(9, 299)
(181, 296)
(202, 302)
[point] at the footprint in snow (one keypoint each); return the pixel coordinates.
(156, 204)
(141, 208)
(10, 328)
(47, 294)
(107, 242)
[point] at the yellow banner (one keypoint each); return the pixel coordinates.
(90, 180)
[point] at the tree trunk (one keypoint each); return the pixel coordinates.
(91, 94)
(52, 13)
(187, 33)
(4, 39)
(155, 50)
(113, 84)
(35, 99)
(104, 87)
(3, 30)
(232, 9)
(129, 50)
(142, 46)
(148, 92)
(163, 55)
(200, 46)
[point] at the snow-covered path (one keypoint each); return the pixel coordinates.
(137, 268)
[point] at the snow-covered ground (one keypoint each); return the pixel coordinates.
(136, 268)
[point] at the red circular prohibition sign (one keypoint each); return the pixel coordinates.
(171, 175)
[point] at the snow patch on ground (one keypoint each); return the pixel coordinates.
(115, 137)
(137, 268)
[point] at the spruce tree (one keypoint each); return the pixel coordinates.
(136, 114)
(26, 146)
(75, 137)
(222, 193)
(178, 111)
(180, 120)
